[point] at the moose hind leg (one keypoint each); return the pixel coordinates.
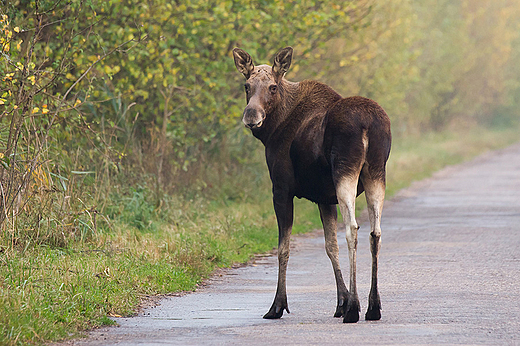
(375, 195)
(346, 192)
(329, 215)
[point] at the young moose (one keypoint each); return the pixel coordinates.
(327, 149)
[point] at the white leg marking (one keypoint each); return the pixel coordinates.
(346, 191)
(375, 195)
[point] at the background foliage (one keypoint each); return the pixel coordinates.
(120, 120)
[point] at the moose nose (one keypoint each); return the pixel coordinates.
(253, 125)
(253, 118)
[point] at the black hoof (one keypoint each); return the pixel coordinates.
(276, 311)
(351, 317)
(352, 313)
(339, 311)
(374, 308)
(373, 314)
(342, 306)
(374, 311)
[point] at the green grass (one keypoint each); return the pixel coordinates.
(51, 293)
(48, 293)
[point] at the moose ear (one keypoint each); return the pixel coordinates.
(243, 62)
(282, 62)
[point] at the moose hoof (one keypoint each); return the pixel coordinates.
(352, 313)
(373, 312)
(342, 306)
(276, 311)
(373, 315)
(351, 317)
(374, 309)
(339, 311)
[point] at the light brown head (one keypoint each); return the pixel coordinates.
(263, 85)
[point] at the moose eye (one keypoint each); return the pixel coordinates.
(273, 88)
(247, 87)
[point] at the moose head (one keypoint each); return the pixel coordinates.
(264, 85)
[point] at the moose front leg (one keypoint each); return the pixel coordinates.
(283, 207)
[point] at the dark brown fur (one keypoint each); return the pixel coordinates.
(314, 141)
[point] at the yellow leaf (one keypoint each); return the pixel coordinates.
(2, 101)
(45, 111)
(78, 102)
(35, 110)
(17, 29)
(32, 79)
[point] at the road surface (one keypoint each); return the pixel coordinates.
(449, 274)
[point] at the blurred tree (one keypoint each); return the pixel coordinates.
(492, 28)
(429, 63)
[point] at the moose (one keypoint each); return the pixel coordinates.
(327, 149)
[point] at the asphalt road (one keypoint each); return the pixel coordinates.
(449, 274)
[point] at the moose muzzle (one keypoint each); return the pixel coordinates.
(253, 117)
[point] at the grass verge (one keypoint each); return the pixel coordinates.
(51, 293)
